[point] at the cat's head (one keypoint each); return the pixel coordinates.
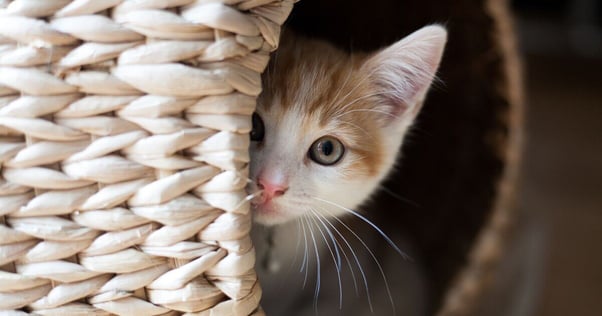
(329, 125)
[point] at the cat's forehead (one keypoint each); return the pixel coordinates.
(311, 77)
(319, 99)
(290, 121)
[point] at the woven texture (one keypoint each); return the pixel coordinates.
(124, 147)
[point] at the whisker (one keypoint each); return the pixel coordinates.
(318, 268)
(323, 219)
(305, 261)
(398, 197)
(253, 195)
(382, 272)
(367, 221)
(338, 256)
(357, 261)
(248, 198)
(337, 261)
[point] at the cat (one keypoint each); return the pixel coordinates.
(327, 130)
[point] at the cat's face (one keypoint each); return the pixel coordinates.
(329, 126)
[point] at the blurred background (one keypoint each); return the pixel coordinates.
(561, 178)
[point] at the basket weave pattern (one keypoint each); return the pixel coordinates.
(124, 145)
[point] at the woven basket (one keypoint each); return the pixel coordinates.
(123, 142)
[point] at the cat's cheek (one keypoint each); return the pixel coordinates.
(336, 198)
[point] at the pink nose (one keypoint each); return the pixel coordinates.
(271, 189)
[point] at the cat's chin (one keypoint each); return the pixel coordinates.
(269, 216)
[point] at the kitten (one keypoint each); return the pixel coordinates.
(327, 131)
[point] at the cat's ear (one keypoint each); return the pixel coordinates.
(402, 73)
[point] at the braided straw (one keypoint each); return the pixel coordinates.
(124, 149)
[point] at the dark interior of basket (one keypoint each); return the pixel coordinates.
(452, 163)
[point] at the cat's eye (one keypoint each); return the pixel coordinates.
(258, 131)
(326, 151)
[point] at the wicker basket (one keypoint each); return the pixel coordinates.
(124, 133)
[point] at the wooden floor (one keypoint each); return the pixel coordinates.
(562, 181)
